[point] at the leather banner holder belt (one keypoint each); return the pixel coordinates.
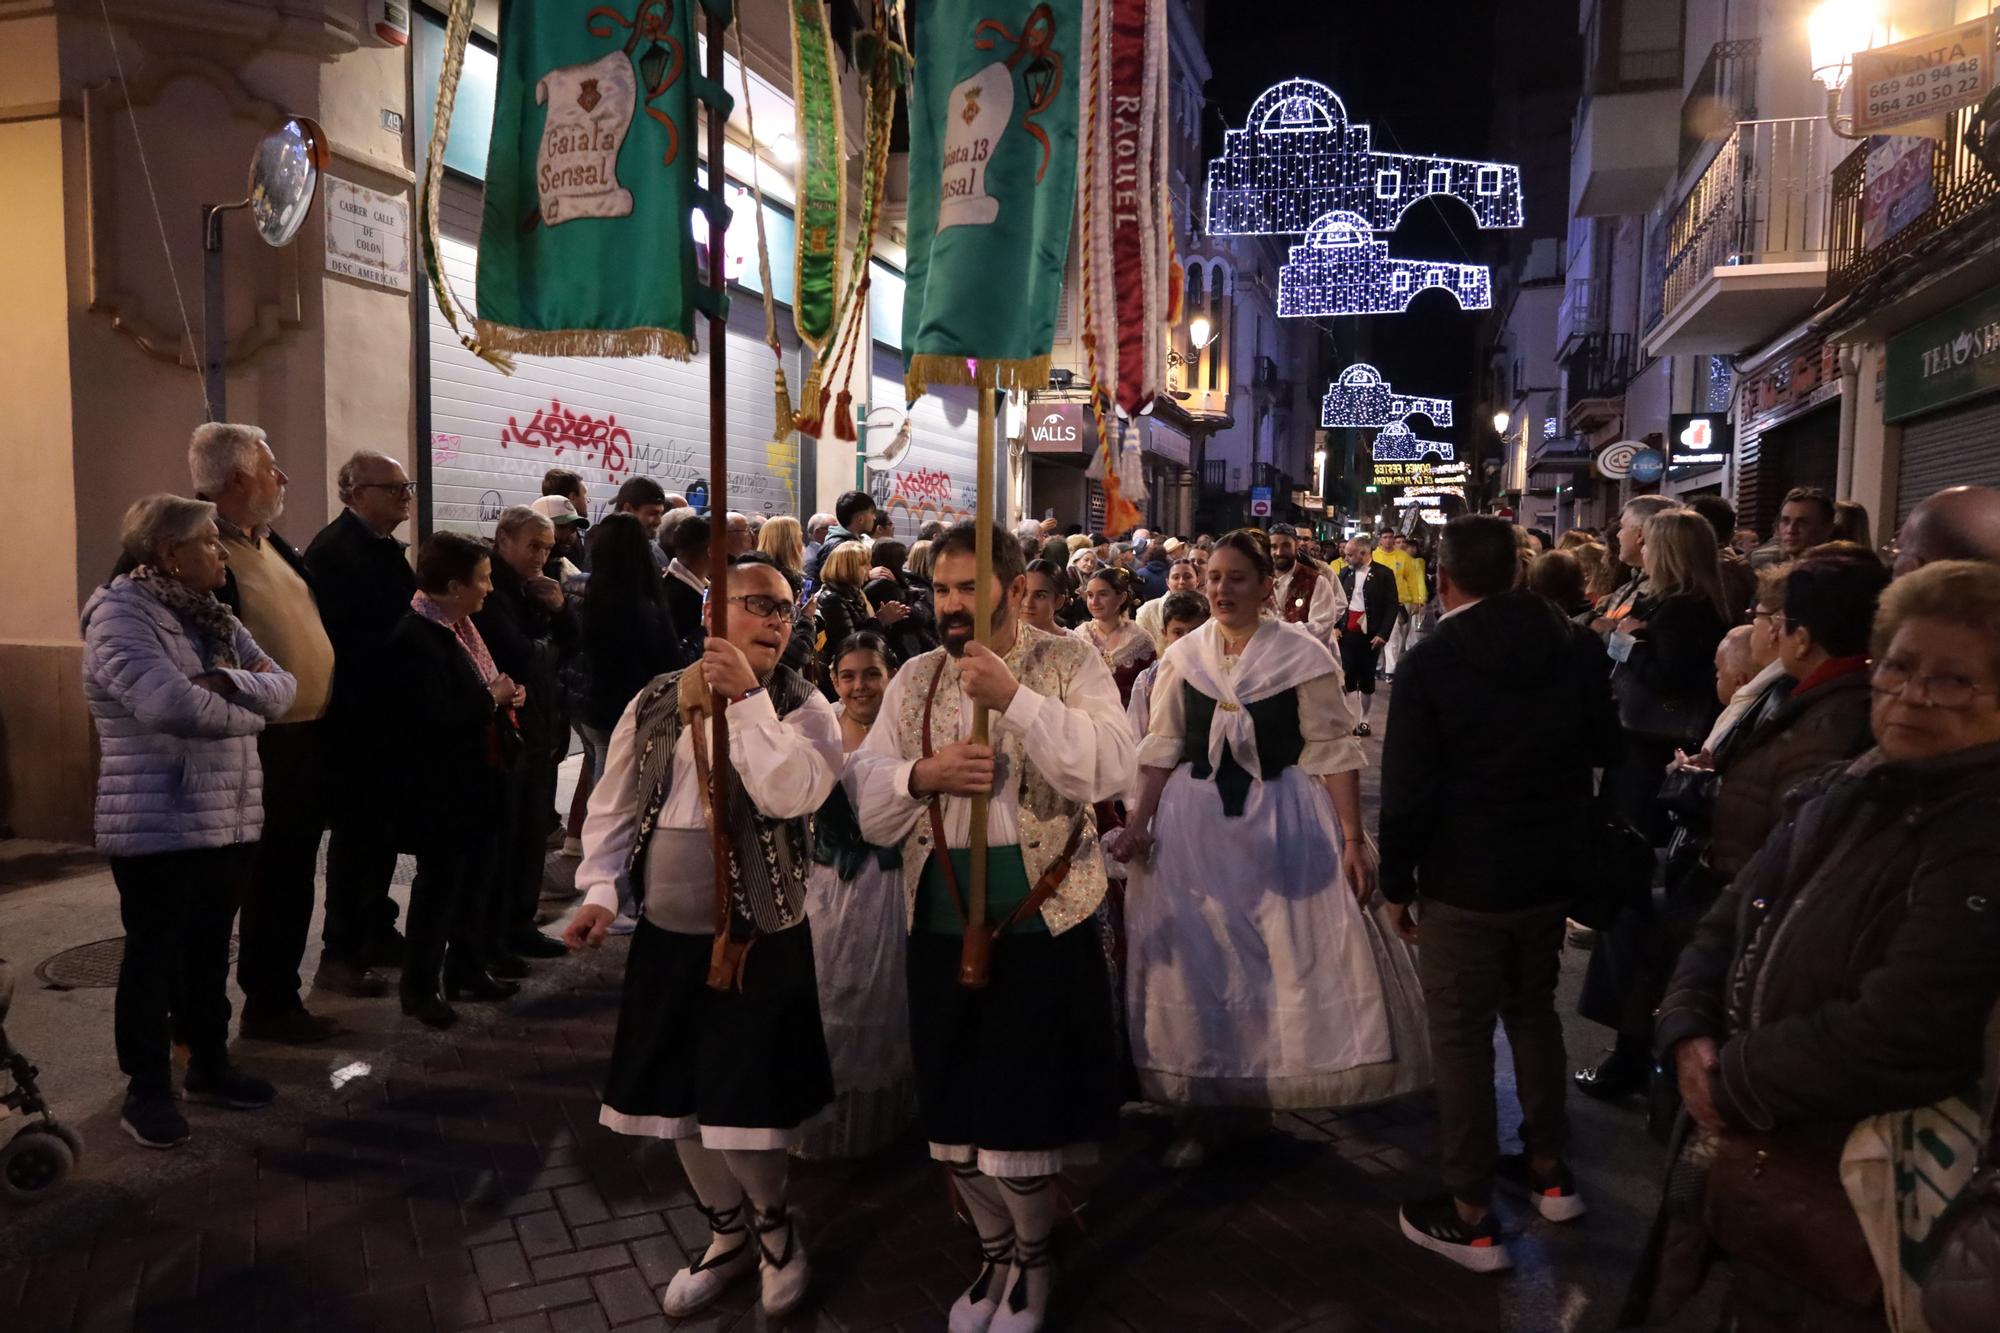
(975, 956)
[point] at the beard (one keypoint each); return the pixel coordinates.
(266, 514)
(955, 628)
(1283, 563)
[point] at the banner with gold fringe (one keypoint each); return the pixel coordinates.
(993, 166)
(820, 182)
(585, 247)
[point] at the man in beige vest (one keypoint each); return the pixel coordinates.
(233, 466)
(1019, 1077)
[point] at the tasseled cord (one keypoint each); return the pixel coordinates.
(843, 417)
(787, 420)
(812, 411)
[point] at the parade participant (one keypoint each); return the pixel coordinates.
(1048, 592)
(1126, 649)
(1182, 613)
(1365, 623)
(854, 900)
(1258, 979)
(719, 1046)
(1182, 576)
(1019, 1076)
(1402, 559)
(1303, 594)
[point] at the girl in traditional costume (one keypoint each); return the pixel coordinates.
(1126, 649)
(1257, 978)
(854, 899)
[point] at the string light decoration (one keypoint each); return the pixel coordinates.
(1341, 269)
(1297, 158)
(1398, 444)
(1360, 397)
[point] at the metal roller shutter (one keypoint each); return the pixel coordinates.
(935, 480)
(1951, 449)
(607, 419)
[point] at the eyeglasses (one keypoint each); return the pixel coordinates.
(400, 487)
(1945, 689)
(763, 607)
(1762, 615)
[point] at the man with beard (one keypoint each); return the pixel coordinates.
(267, 587)
(719, 1045)
(1303, 594)
(1370, 613)
(1020, 1076)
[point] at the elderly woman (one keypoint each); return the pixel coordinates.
(1849, 970)
(178, 690)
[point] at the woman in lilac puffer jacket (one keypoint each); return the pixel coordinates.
(178, 690)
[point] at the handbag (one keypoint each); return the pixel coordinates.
(1617, 866)
(1643, 711)
(1961, 1265)
(1775, 1202)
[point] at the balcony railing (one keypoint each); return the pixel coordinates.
(1215, 474)
(1762, 200)
(1723, 95)
(1868, 235)
(1582, 312)
(1599, 367)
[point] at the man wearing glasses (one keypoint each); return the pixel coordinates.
(719, 1046)
(362, 575)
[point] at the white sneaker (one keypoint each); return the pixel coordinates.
(697, 1287)
(785, 1274)
(622, 925)
(973, 1311)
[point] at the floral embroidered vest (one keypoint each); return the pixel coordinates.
(1046, 664)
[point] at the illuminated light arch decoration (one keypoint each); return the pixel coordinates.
(1398, 444)
(1298, 158)
(1341, 269)
(1362, 398)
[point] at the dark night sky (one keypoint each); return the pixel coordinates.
(1422, 75)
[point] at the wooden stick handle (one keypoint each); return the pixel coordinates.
(982, 634)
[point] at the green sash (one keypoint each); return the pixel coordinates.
(1006, 889)
(993, 126)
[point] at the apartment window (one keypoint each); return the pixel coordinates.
(1489, 180)
(1388, 184)
(1440, 180)
(1400, 281)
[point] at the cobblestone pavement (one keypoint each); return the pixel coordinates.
(413, 1181)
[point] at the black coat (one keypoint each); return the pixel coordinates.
(530, 643)
(842, 612)
(1675, 653)
(364, 584)
(439, 774)
(1496, 721)
(1850, 968)
(913, 635)
(684, 605)
(1378, 598)
(626, 649)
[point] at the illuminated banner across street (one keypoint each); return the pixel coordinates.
(1419, 474)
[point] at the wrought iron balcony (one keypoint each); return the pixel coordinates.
(1215, 474)
(1747, 246)
(1599, 367)
(1722, 96)
(1582, 313)
(1912, 201)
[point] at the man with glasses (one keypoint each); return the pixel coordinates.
(719, 1045)
(362, 574)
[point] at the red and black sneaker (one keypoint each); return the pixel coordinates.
(1554, 1194)
(1436, 1225)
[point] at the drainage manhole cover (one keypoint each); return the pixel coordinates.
(90, 966)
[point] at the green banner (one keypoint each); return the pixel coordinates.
(820, 181)
(585, 247)
(1943, 360)
(993, 116)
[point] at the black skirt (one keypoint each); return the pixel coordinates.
(1028, 1064)
(750, 1060)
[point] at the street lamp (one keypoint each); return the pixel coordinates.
(1200, 332)
(1834, 32)
(1501, 421)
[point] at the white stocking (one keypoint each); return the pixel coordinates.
(984, 1201)
(720, 1195)
(1367, 702)
(1031, 1204)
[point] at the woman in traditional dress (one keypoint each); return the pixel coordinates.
(854, 899)
(1126, 649)
(1258, 979)
(1048, 594)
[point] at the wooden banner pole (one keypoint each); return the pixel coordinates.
(718, 469)
(982, 634)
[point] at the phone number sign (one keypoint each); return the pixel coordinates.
(1923, 77)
